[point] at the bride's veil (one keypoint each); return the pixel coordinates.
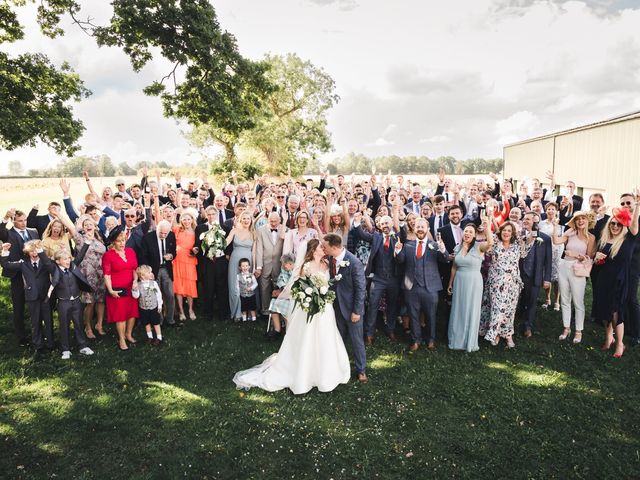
(297, 267)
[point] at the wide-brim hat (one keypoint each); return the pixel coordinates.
(591, 219)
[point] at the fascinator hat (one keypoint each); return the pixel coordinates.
(622, 216)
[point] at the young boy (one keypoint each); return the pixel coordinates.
(280, 306)
(35, 268)
(247, 285)
(67, 281)
(150, 304)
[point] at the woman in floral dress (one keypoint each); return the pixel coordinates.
(500, 299)
(299, 235)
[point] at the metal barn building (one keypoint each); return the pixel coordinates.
(599, 157)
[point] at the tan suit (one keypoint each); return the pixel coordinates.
(268, 255)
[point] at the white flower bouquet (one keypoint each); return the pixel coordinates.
(311, 292)
(213, 242)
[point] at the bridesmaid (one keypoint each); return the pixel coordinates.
(242, 238)
(185, 275)
(466, 287)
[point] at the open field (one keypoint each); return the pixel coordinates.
(544, 410)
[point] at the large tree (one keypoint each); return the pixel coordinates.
(209, 81)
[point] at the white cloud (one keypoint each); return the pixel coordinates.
(435, 139)
(518, 125)
(381, 142)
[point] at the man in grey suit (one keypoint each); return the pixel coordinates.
(350, 286)
(422, 281)
(268, 252)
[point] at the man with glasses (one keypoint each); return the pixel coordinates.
(135, 232)
(628, 202)
(120, 187)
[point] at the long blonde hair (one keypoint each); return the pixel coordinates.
(616, 242)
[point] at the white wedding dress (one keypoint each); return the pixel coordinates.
(311, 355)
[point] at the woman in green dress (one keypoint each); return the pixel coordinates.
(466, 287)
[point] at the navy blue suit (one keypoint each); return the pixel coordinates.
(386, 279)
(535, 269)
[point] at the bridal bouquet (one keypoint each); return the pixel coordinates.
(311, 292)
(213, 242)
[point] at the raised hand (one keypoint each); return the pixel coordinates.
(66, 186)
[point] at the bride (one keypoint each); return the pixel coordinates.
(312, 353)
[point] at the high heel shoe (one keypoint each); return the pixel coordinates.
(618, 355)
(556, 307)
(606, 346)
(577, 338)
(565, 333)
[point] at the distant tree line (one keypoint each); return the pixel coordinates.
(96, 166)
(422, 165)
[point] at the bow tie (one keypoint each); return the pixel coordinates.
(274, 230)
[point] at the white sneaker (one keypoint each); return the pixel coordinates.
(66, 355)
(86, 351)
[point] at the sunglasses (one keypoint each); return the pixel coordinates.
(119, 184)
(129, 216)
(615, 224)
(279, 196)
(622, 204)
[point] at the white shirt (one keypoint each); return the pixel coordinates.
(457, 233)
(274, 235)
(160, 248)
(424, 246)
(438, 222)
(340, 258)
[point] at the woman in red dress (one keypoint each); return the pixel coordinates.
(119, 265)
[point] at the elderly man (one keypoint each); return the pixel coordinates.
(289, 215)
(269, 243)
(416, 200)
(158, 251)
(40, 222)
(121, 189)
(135, 232)
(224, 214)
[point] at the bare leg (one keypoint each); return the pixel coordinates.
(619, 335)
(192, 314)
(275, 319)
(120, 326)
(180, 306)
(130, 324)
(608, 338)
(99, 318)
(87, 317)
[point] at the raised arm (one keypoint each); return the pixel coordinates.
(636, 211)
(85, 174)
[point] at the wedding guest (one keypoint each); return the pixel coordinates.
(68, 283)
(599, 209)
(33, 269)
(627, 201)
(247, 286)
(535, 270)
(185, 274)
(279, 307)
(503, 287)
(241, 237)
(119, 265)
(158, 252)
(465, 286)
(269, 248)
(440, 217)
(91, 268)
(422, 282)
(302, 233)
(149, 299)
(289, 216)
(549, 227)
(41, 222)
(56, 238)
(17, 236)
(612, 264)
(579, 247)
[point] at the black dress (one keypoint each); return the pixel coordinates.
(611, 283)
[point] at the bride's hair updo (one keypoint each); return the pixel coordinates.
(312, 245)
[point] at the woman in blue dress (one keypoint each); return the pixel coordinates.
(241, 236)
(466, 286)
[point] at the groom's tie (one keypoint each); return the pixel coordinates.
(333, 267)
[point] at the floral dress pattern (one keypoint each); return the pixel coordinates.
(91, 267)
(502, 291)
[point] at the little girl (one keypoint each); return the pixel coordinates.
(247, 285)
(150, 303)
(280, 306)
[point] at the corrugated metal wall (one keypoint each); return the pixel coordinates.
(604, 158)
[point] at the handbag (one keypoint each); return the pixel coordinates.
(582, 268)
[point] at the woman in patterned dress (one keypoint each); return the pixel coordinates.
(299, 235)
(503, 286)
(91, 267)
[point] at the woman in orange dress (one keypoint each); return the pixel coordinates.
(184, 265)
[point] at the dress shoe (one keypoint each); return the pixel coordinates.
(369, 341)
(414, 347)
(362, 378)
(148, 341)
(273, 334)
(431, 346)
(528, 333)
(23, 342)
(155, 342)
(392, 336)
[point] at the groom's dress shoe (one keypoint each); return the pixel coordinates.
(362, 378)
(413, 347)
(392, 336)
(431, 346)
(369, 341)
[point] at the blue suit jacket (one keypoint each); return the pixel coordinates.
(351, 288)
(542, 265)
(407, 257)
(376, 240)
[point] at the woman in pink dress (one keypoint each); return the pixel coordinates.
(119, 265)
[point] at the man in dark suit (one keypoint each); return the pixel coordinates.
(417, 199)
(535, 270)
(350, 288)
(237, 211)
(224, 214)
(17, 236)
(422, 282)
(386, 277)
(212, 273)
(439, 218)
(135, 232)
(34, 270)
(451, 235)
(598, 208)
(158, 251)
(67, 282)
(41, 222)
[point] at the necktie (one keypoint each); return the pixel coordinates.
(163, 251)
(386, 243)
(333, 267)
(446, 196)
(35, 265)
(220, 217)
(24, 235)
(419, 252)
(128, 233)
(439, 222)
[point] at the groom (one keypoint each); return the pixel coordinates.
(349, 302)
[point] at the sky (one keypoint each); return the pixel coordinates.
(415, 77)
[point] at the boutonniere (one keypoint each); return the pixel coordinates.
(344, 263)
(539, 240)
(338, 277)
(431, 246)
(392, 234)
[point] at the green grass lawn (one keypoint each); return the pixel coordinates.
(544, 410)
